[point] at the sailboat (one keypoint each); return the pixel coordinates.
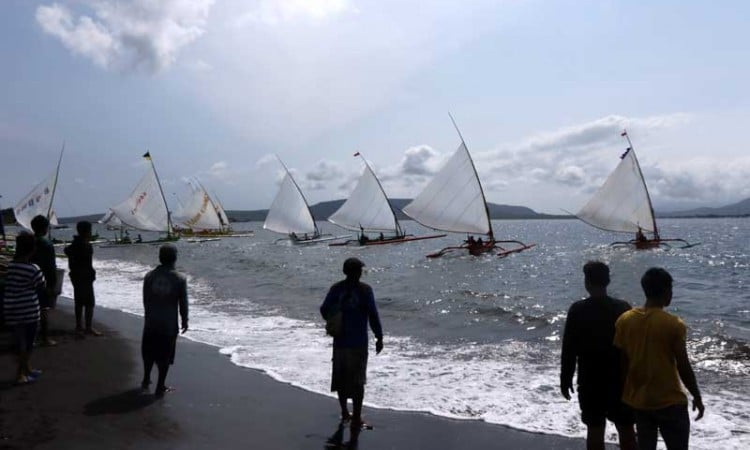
(203, 216)
(39, 200)
(146, 207)
(368, 210)
(290, 214)
(454, 201)
(623, 205)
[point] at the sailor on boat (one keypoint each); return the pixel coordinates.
(639, 236)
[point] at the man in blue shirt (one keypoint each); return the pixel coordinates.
(356, 302)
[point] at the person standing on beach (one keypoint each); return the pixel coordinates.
(21, 305)
(655, 359)
(44, 257)
(80, 255)
(587, 341)
(164, 295)
(355, 302)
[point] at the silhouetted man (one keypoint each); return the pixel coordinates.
(164, 295)
(355, 300)
(587, 340)
(44, 257)
(80, 255)
(655, 360)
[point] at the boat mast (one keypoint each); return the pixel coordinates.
(315, 224)
(481, 190)
(643, 180)
(399, 231)
(158, 182)
(54, 188)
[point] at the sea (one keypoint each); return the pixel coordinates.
(471, 338)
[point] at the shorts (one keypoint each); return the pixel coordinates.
(83, 294)
(599, 403)
(349, 370)
(23, 337)
(158, 347)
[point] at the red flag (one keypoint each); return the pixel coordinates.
(624, 133)
(356, 154)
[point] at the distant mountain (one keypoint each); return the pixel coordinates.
(739, 209)
(323, 210)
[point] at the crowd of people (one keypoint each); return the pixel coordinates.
(632, 363)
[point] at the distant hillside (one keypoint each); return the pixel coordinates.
(739, 209)
(323, 210)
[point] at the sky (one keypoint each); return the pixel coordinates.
(215, 88)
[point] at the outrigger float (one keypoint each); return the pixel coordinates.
(368, 210)
(623, 204)
(454, 201)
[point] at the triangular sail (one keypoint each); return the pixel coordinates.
(367, 208)
(199, 212)
(289, 212)
(145, 208)
(37, 202)
(53, 219)
(453, 200)
(622, 204)
(109, 218)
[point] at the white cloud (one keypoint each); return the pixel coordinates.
(323, 173)
(275, 12)
(133, 35)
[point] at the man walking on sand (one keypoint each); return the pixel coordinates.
(355, 302)
(80, 255)
(164, 295)
(587, 340)
(655, 360)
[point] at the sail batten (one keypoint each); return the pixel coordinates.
(622, 204)
(289, 211)
(367, 208)
(453, 200)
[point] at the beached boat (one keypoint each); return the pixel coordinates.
(203, 216)
(454, 201)
(39, 200)
(367, 210)
(146, 208)
(290, 214)
(622, 204)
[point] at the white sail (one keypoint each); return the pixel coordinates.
(37, 202)
(199, 212)
(145, 208)
(109, 218)
(289, 212)
(453, 199)
(367, 207)
(622, 203)
(53, 219)
(223, 218)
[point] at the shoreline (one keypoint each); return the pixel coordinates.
(88, 396)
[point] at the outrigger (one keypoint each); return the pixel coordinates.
(454, 201)
(368, 210)
(623, 204)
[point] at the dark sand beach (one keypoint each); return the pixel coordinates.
(88, 397)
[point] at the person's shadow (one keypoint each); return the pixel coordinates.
(336, 440)
(122, 403)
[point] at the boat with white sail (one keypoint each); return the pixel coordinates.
(146, 209)
(368, 211)
(454, 201)
(203, 216)
(39, 200)
(623, 204)
(290, 214)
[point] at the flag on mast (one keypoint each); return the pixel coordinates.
(356, 154)
(147, 155)
(624, 133)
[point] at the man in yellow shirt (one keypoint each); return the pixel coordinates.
(655, 360)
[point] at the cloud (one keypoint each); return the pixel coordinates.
(275, 12)
(218, 169)
(322, 173)
(128, 36)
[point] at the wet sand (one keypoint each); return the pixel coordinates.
(88, 397)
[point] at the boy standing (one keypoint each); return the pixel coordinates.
(80, 255)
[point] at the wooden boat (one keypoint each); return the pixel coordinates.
(454, 201)
(290, 214)
(367, 210)
(145, 209)
(623, 204)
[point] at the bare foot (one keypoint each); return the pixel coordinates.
(93, 332)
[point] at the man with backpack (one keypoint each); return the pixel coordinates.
(347, 309)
